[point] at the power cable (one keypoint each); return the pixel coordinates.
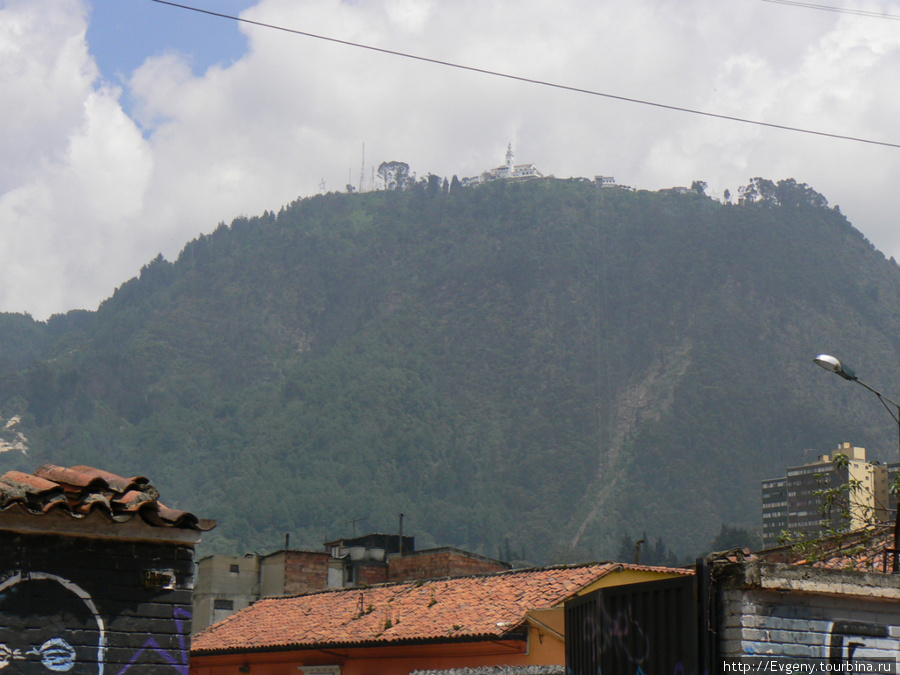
(839, 10)
(529, 80)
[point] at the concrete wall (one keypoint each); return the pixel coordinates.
(94, 605)
(225, 584)
(272, 574)
(800, 612)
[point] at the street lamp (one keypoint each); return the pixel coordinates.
(834, 365)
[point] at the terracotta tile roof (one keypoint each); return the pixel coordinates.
(864, 550)
(80, 490)
(486, 606)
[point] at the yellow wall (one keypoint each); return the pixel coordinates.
(547, 627)
(628, 576)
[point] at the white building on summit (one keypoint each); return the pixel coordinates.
(508, 171)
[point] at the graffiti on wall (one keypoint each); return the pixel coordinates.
(179, 659)
(614, 634)
(837, 641)
(47, 642)
(51, 624)
(634, 629)
(620, 634)
(854, 640)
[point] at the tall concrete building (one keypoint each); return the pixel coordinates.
(794, 503)
(774, 510)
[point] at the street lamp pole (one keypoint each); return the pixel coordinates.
(833, 365)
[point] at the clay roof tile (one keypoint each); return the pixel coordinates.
(82, 489)
(489, 606)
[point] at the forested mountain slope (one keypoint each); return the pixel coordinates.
(541, 366)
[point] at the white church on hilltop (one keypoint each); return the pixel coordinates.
(508, 171)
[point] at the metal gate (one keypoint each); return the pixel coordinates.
(648, 628)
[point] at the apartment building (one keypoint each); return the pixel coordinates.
(794, 503)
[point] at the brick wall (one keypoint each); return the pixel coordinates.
(94, 605)
(305, 571)
(815, 614)
(368, 573)
(432, 564)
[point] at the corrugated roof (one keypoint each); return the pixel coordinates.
(78, 491)
(486, 606)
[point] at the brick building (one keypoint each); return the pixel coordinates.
(434, 563)
(501, 620)
(95, 574)
(227, 584)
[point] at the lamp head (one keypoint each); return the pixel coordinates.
(833, 365)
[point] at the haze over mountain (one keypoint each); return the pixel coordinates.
(539, 366)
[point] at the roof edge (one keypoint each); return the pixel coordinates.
(512, 636)
(612, 565)
(95, 525)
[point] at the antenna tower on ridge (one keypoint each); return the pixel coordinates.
(362, 169)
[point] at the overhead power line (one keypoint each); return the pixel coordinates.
(839, 10)
(543, 83)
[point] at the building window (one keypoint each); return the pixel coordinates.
(235, 569)
(223, 603)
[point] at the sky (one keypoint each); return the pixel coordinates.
(130, 127)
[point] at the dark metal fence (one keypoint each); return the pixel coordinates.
(649, 628)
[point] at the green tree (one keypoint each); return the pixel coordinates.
(731, 537)
(758, 191)
(847, 520)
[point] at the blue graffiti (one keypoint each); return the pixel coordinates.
(178, 661)
(56, 654)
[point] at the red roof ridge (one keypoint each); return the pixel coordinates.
(417, 583)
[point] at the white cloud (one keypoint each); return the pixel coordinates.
(45, 75)
(74, 166)
(86, 199)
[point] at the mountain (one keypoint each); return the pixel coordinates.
(536, 367)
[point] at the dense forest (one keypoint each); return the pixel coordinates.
(533, 370)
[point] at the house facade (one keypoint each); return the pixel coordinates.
(227, 584)
(740, 614)
(511, 619)
(95, 574)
